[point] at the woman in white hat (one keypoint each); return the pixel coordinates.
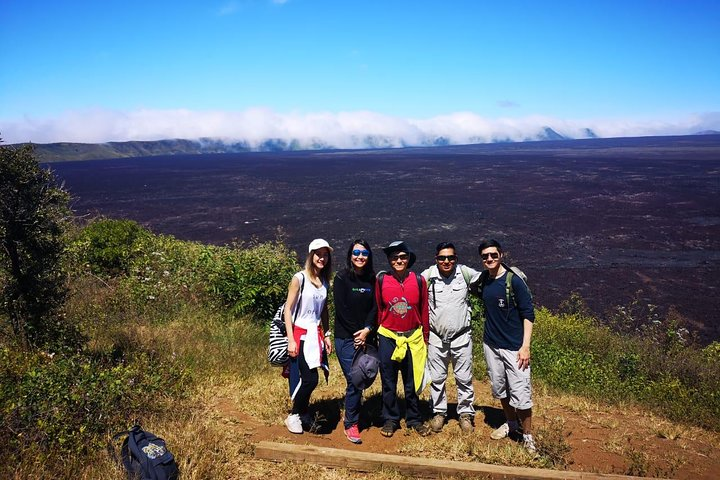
(307, 323)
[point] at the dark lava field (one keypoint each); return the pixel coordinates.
(613, 219)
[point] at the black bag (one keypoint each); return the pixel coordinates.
(144, 455)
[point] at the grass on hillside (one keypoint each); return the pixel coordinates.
(173, 325)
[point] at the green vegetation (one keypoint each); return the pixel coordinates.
(657, 368)
(33, 212)
(163, 321)
(161, 316)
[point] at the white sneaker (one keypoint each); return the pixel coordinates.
(293, 423)
(501, 432)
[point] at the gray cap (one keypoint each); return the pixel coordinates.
(365, 366)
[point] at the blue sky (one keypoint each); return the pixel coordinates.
(248, 69)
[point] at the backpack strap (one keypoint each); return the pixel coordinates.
(378, 285)
(509, 291)
(484, 275)
(112, 445)
(477, 287)
(297, 305)
(465, 274)
(431, 282)
(418, 277)
(434, 272)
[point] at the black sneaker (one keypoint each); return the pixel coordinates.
(421, 429)
(388, 429)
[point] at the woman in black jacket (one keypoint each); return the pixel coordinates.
(355, 318)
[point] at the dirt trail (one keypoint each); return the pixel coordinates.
(602, 439)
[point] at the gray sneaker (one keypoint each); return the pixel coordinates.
(466, 423)
(501, 432)
(529, 444)
(437, 422)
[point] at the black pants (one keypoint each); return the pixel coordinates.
(308, 381)
(389, 370)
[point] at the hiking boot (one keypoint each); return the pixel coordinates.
(466, 423)
(437, 422)
(388, 429)
(421, 429)
(293, 423)
(501, 432)
(529, 444)
(353, 434)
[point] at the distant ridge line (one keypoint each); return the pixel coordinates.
(68, 151)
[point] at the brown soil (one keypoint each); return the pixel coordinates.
(602, 438)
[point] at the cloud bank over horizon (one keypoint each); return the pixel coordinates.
(338, 130)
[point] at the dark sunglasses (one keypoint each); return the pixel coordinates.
(399, 258)
(446, 258)
(494, 255)
(364, 253)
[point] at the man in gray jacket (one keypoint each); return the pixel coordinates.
(450, 336)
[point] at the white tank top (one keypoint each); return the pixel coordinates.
(311, 301)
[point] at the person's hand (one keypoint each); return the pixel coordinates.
(328, 345)
(360, 336)
(523, 357)
(292, 348)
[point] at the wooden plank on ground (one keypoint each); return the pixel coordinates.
(420, 467)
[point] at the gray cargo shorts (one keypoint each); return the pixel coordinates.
(506, 379)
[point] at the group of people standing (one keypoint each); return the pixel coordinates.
(415, 325)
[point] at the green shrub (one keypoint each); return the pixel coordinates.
(250, 280)
(163, 272)
(66, 404)
(672, 377)
(165, 275)
(108, 247)
(712, 352)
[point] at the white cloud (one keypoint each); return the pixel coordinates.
(342, 130)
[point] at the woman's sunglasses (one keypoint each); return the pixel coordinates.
(358, 253)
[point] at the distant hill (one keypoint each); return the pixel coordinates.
(65, 151)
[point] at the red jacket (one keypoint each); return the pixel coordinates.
(401, 306)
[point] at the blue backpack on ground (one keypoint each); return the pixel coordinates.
(144, 455)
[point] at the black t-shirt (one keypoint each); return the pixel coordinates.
(355, 306)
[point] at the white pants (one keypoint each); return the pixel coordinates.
(438, 360)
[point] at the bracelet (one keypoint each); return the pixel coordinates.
(327, 334)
